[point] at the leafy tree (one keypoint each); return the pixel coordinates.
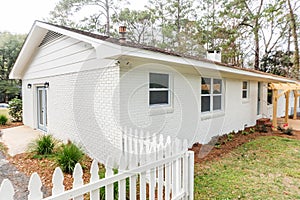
(278, 63)
(138, 24)
(15, 109)
(294, 26)
(67, 13)
(10, 46)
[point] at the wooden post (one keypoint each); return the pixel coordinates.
(274, 121)
(295, 103)
(287, 100)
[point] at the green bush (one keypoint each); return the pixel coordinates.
(15, 109)
(68, 156)
(3, 119)
(44, 145)
(288, 131)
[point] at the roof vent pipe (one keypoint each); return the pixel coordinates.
(122, 32)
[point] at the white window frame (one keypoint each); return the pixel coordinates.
(211, 95)
(245, 90)
(160, 89)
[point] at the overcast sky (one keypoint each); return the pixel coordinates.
(17, 16)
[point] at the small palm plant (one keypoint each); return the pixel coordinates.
(44, 145)
(68, 156)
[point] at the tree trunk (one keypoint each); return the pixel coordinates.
(107, 18)
(256, 51)
(294, 34)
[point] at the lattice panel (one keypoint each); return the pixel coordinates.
(50, 37)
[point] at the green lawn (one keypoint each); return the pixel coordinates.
(4, 111)
(266, 168)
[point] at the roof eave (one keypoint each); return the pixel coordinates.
(129, 52)
(34, 38)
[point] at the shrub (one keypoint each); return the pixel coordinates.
(3, 119)
(252, 130)
(15, 109)
(44, 145)
(68, 156)
(288, 131)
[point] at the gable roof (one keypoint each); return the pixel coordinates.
(40, 29)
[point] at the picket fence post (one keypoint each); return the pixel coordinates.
(191, 175)
(58, 181)
(133, 178)
(34, 187)
(122, 183)
(164, 169)
(109, 189)
(94, 171)
(6, 190)
(78, 181)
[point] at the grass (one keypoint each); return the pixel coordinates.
(4, 111)
(266, 168)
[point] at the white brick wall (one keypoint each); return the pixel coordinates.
(184, 119)
(90, 100)
(81, 97)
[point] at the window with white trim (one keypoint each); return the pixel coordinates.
(211, 94)
(245, 89)
(159, 89)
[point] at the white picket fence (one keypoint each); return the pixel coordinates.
(154, 170)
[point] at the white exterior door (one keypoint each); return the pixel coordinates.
(42, 108)
(259, 99)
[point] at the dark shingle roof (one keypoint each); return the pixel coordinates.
(156, 49)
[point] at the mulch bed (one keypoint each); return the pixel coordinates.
(26, 163)
(11, 125)
(222, 145)
(203, 153)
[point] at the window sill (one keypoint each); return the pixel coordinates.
(211, 115)
(160, 110)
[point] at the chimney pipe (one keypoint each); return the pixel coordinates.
(122, 32)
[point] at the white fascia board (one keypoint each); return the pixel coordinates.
(81, 37)
(32, 41)
(34, 38)
(149, 55)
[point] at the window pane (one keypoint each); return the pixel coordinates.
(270, 96)
(217, 103)
(159, 97)
(205, 85)
(244, 94)
(205, 103)
(217, 86)
(245, 85)
(159, 80)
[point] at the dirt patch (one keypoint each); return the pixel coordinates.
(220, 146)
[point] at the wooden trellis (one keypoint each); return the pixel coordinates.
(285, 89)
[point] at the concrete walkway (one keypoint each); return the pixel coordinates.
(18, 138)
(295, 124)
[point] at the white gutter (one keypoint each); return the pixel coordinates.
(129, 52)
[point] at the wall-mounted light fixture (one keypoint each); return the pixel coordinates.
(29, 86)
(122, 32)
(46, 84)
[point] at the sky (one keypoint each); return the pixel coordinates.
(18, 16)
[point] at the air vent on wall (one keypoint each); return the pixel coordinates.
(49, 37)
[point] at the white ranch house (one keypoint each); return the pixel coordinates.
(86, 87)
